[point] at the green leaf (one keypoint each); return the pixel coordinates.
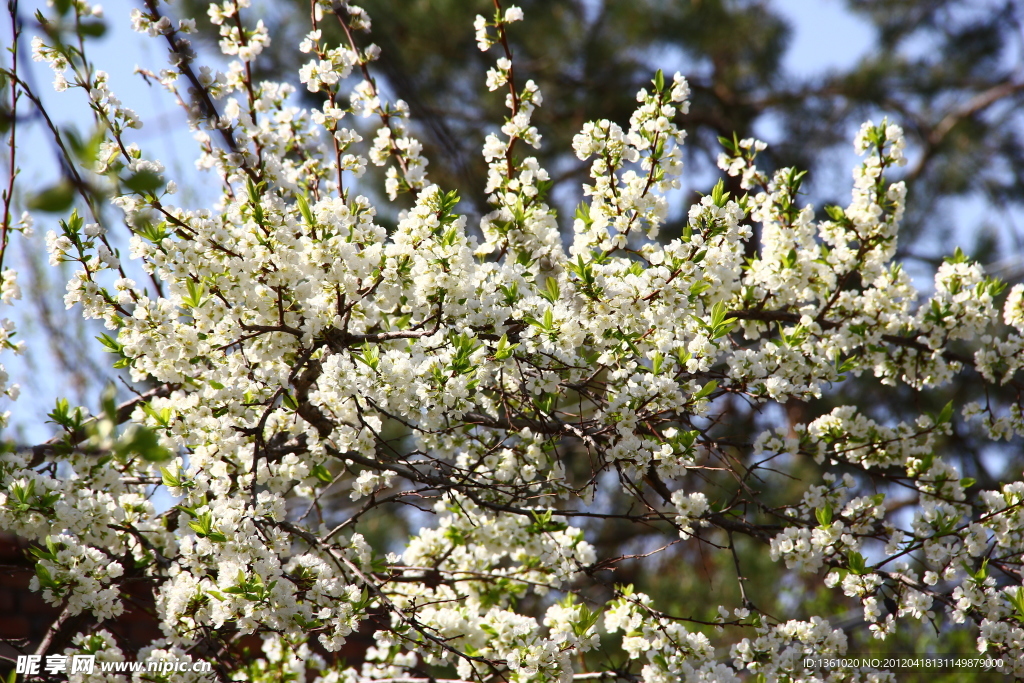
(370, 356)
(550, 291)
(169, 478)
(93, 29)
(718, 195)
(143, 442)
(111, 344)
(836, 213)
(731, 144)
(322, 473)
(543, 523)
(958, 257)
(586, 620)
(54, 199)
(45, 580)
(203, 526)
(656, 362)
(307, 624)
(307, 215)
(659, 80)
(448, 202)
(60, 413)
(154, 232)
(946, 414)
(455, 535)
(720, 325)
(824, 515)
(254, 199)
(583, 214)
(144, 182)
(196, 294)
(504, 349)
(86, 151)
(545, 402)
(855, 561)
(706, 390)
(289, 402)
(1017, 600)
(978, 576)
(51, 549)
(510, 292)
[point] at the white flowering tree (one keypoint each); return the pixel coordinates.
(512, 388)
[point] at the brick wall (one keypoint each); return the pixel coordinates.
(23, 614)
(25, 617)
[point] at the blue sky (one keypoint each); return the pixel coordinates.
(825, 36)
